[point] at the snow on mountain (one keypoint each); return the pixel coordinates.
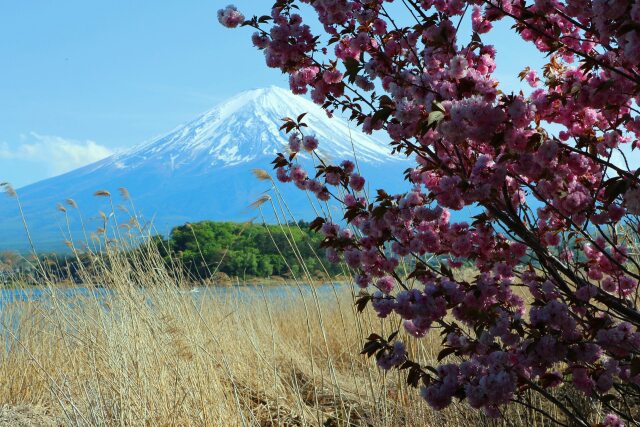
(199, 170)
(245, 128)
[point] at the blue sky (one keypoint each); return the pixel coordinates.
(81, 79)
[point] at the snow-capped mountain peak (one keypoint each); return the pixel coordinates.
(247, 127)
(200, 170)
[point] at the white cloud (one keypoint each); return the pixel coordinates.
(56, 155)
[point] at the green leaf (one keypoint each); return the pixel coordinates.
(361, 303)
(353, 67)
(413, 379)
(445, 352)
(445, 270)
(370, 348)
(435, 117)
(381, 115)
(317, 224)
(437, 106)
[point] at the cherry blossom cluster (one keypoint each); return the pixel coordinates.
(230, 17)
(555, 298)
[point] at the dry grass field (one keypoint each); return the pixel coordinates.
(146, 350)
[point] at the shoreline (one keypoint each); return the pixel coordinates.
(273, 281)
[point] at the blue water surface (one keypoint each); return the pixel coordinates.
(273, 292)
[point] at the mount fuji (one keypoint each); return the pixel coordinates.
(200, 170)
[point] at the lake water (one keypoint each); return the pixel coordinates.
(17, 304)
(9, 296)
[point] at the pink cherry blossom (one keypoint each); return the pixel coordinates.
(230, 17)
(310, 142)
(555, 210)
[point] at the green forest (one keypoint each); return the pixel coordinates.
(245, 249)
(204, 250)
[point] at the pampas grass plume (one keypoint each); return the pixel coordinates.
(8, 189)
(261, 174)
(124, 193)
(262, 200)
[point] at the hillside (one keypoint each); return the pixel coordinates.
(200, 170)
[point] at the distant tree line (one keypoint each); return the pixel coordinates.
(203, 250)
(245, 249)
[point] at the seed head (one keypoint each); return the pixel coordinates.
(261, 174)
(124, 193)
(8, 189)
(262, 200)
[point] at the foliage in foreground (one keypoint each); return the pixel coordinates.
(548, 171)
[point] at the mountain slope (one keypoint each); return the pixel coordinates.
(200, 170)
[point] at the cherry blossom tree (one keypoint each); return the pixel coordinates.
(555, 299)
